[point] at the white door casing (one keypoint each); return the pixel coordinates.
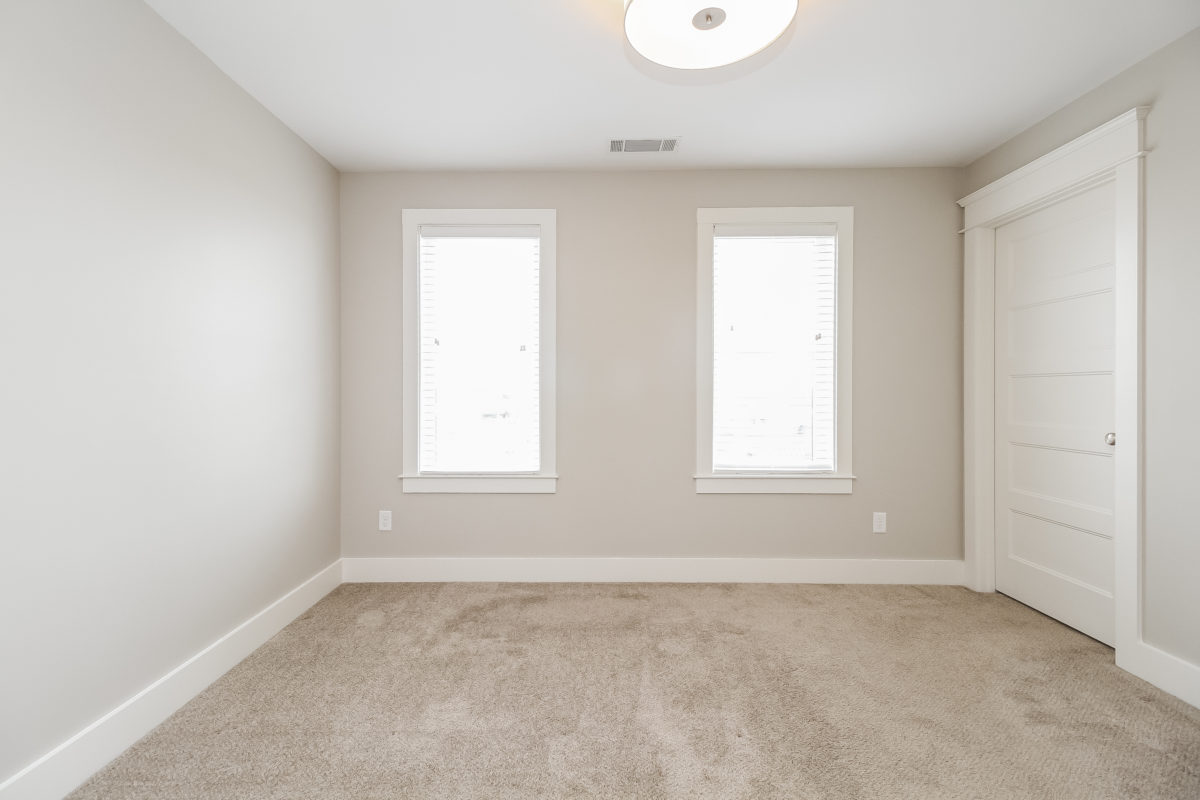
(1054, 406)
(1112, 153)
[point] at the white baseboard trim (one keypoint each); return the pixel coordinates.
(1158, 667)
(75, 760)
(653, 570)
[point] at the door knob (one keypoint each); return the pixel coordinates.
(1110, 438)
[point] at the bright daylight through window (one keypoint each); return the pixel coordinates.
(478, 372)
(774, 330)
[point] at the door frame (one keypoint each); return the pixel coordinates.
(1112, 153)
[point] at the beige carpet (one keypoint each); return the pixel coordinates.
(669, 691)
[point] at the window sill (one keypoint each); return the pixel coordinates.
(775, 484)
(479, 484)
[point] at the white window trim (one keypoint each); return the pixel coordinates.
(839, 481)
(412, 480)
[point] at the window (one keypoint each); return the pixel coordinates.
(479, 351)
(774, 347)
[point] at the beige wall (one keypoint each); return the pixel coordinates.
(168, 361)
(1170, 82)
(626, 371)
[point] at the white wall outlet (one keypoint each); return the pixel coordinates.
(385, 520)
(879, 522)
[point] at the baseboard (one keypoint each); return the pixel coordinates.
(75, 760)
(662, 570)
(1168, 672)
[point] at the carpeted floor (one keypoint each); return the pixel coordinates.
(669, 691)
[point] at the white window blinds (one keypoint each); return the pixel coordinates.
(774, 354)
(480, 349)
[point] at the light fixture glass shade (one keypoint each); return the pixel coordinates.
(683, 34)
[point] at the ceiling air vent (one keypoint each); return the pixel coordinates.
(643, 145)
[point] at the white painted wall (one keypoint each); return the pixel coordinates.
(168, 361)
(1169, 81)
(626, 371)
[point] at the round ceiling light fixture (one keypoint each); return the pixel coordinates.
(684, 35)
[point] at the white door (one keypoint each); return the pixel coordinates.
(1055, 410)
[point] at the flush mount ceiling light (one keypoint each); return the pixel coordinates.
(686, 34)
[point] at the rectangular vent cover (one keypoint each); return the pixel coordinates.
(643, 145)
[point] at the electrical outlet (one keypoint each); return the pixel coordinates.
(879, 522)
(385, 520)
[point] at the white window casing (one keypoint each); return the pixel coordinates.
(774, 350)
(479, 351)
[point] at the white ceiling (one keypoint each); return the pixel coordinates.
(544, 84)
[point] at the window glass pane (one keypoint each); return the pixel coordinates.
(480, 354)
(774, 306)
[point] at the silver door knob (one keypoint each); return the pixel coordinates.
(1110, 438)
